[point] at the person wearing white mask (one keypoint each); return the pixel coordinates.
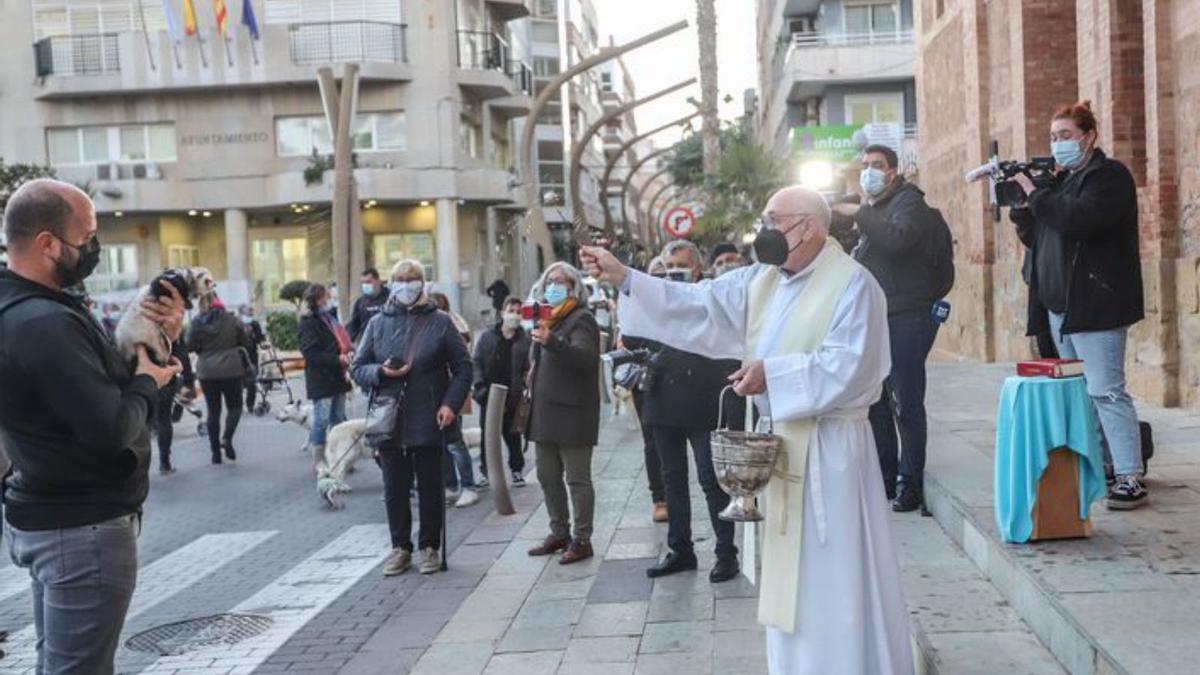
(413, 352)
(896, 238)
(502, 357)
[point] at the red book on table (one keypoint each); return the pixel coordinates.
(1056, 368)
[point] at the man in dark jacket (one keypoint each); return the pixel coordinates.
(502, 357)
(374, 297)
(74, 421)
(164, 421)
(894, 224)
(680, 403)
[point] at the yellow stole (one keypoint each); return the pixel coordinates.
(805, 331)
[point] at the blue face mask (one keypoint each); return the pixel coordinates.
(1068, 154)
(556, 294)
(873, 181)
(368, 289)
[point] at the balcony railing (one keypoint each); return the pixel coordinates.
(93, 54)
(478, 50)
(801, 40)
(347, 41)
(522, 76)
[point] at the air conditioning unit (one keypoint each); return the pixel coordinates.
(138, 170)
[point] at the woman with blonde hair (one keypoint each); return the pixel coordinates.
(564, 418)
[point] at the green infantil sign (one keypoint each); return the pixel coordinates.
(834, 143)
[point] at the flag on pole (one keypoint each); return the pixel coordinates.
(189, 17)
(173, 28)
(248, 19)
(219, 10)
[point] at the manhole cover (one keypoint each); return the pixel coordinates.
(182, 637)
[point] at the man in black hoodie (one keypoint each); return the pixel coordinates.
(896, 245)
(74, 420)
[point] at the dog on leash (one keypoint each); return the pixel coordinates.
(136, 328)
(343, 448)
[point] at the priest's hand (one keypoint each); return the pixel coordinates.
(750, 379)
(602, 265)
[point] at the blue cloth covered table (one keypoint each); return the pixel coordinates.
(1037, 415)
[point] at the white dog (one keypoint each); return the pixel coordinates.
(331, 462)
(136, 328)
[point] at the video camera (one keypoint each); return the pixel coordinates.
(842, 228)
(626, 368)
(1005, 189)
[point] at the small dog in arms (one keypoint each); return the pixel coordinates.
(136, 328)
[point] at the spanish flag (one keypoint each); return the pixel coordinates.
(189, 18)
(219, 10)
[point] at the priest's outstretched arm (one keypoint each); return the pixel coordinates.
(847, 372)
(708, 318)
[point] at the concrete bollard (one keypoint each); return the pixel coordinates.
(493, 442)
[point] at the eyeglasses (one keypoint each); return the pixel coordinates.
(770, 221)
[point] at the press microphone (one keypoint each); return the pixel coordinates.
(983, 171)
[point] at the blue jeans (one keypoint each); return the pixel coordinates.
(1103, 355)
(902, 406)
(82, 581)
(327, 414)
(458, 463)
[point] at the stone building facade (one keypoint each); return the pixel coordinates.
(994, 71)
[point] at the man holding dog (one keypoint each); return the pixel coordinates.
(80, 453)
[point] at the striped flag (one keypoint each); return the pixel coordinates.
(222, 14)
(248, 19)
(189, 17)
(173, 28)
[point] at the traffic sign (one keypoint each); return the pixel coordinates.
(680, 221)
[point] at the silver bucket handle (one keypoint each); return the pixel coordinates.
(721, 426)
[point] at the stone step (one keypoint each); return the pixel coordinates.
(1124, 601)
(960, 624)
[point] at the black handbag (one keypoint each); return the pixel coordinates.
(383, 419)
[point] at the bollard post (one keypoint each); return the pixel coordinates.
(493, 441)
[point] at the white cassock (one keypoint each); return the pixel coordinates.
(850, 614)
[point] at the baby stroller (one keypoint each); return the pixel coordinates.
(188, 403)
(271, 375)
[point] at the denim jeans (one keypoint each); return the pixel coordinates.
(456, 464)
(82, 582)
(1103, 355)
(902, 406)
(672, 443)
(327, 414)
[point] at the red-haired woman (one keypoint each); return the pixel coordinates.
(1083, 235)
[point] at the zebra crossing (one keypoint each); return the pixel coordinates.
(289, 601)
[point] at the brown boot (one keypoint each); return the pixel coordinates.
(550, 546)
(578, 550)
(659, 513)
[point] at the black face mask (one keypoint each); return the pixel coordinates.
(771, 247)
(88, 257)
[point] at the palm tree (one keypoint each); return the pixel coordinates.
(706, 26)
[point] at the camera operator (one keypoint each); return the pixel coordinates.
(680, 404)
(1083, 234)
(896, 233)
(724, 258)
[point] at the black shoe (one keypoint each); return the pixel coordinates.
(1127, 494)
(165, 469)
(671, 563)
(910, 499)
(216, 455)
(230, 452)
(724, 570)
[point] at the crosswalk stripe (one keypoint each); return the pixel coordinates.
(157, 582)
(291, 601)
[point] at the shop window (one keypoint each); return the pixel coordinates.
(117, 271)
(275, 262)
(390, 249)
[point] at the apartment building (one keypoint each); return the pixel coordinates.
(834, 74)
(211, 148)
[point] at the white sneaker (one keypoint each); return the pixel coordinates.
(452, 495)
(468, 498)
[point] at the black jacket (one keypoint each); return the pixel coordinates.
(426, 339)
(488, 370)
(894, 245)
(365, 309)
(324, 376)
(222, 345)
(73, 417)
(566, 384)
(1093, 214)
(682, 389)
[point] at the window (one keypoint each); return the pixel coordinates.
(547, 9)
(868, 108)
(101, 145)
(180, 255)
(470, 137)
(390, 249)
(372, 132)
(275, 262)
(318, 11)
(117, 271)
(545, 66)
(544, 31)
(606, 82)
(863, 19)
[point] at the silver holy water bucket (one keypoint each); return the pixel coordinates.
(743, 461)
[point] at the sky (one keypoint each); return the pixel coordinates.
(676, 58)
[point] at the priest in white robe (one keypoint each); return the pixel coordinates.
(810, 326)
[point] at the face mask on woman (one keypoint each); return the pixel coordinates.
(407, 292)
(1068, 154)
(556, 294)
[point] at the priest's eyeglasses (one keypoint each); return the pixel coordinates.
(771, 221)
